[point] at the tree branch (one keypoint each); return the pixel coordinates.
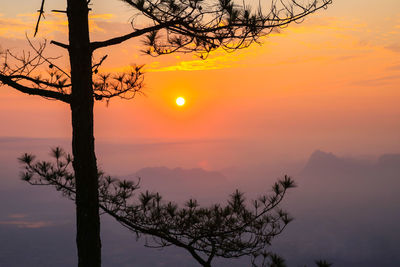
(120, 39)
(41, 12)
(59, 44)
(38, 81)
(230, 231)
(39, 52)
(155, 232)
(34, 91)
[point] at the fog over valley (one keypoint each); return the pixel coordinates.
(345, 208)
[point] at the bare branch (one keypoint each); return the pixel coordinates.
(96, 66)
(59, 11)
(59, 44)
(39, 52)
(41, 13)
(18, 70)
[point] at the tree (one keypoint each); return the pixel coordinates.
(231, 231)
(323, 263)
(173, 26)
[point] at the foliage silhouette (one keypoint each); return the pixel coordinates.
(173, 26)
(323, 263)
(229, 231)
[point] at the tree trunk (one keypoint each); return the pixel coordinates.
(85, 168)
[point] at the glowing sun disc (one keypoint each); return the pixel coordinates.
(180, 101)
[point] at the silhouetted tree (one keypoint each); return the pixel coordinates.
(173, 26)
(267, 259)
(229, 231)
(323, 263)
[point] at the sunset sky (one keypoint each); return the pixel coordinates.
(331, 83)
(318, 100)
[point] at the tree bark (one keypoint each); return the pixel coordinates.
(85, 167)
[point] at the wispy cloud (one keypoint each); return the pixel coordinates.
(17, 216)
(378, 81)
(214, 61)
(346, 39)
(395, 67)
(23, 24)
(394, 48)
(28, 224)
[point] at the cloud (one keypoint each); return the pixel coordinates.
(54, 23)
(211, 63)
(395, 67)
(337, 37)
(101, 16)
(378, 81)
(28, 224)
(394, 48)
(329, 23)
(17, 216)
(12, 27)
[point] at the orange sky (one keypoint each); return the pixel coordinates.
(331, 83)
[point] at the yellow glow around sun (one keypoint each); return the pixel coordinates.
(180, 101)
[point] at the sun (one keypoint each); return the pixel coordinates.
(180, 101)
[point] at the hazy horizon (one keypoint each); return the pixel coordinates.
(340, 184)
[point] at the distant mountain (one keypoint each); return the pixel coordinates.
(389, 161)
(323, 165)
(320, 159)
(327, 163)
(339, 179)
(349, 208)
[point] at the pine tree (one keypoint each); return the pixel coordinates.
(175, 26)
